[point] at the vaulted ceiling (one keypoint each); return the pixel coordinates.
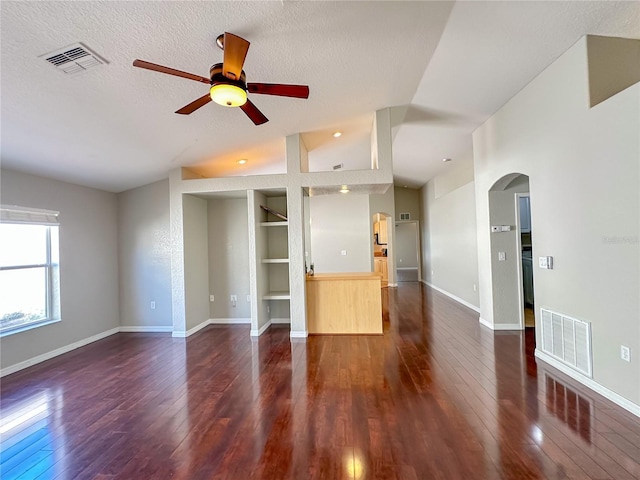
(443, 67)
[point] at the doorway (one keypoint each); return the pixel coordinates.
(408, 251)
(523, 226)
(511, 253)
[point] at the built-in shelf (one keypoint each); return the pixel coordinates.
(274, 224)
(275, 260)
(277, 296)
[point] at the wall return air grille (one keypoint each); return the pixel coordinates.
(73, 59)
(567, 340)
(405, 216)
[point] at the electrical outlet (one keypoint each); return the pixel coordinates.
(234, 298)
(212, 298)
(343, 253)
(268, 309)
(153, 305)
(625, 353)
(502, 256)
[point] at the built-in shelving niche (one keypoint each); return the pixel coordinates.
(274, 255)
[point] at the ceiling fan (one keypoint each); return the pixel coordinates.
(228, 81)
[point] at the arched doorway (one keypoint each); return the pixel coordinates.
(511, 253)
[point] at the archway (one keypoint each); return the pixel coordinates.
(510, 244)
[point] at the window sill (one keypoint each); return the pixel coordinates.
(29, 327)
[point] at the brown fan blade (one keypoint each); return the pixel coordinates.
(235, 51)
(196, 104)
(170, 71)
(253, 113)
(282, 90)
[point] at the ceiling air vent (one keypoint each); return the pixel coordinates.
(338, 166)
(73, 59)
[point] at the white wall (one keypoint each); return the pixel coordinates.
(341, 222)
(196, 261)
(407, 245)
(407, 200)
(228, 257)
(584, 169)
(449, 237)
(144, 253)
(88, 263)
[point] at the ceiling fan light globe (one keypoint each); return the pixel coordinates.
(228, 95)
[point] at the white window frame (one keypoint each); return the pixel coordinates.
(13, 215)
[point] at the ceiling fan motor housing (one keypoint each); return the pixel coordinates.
(217, 77)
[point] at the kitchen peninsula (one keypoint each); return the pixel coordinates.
(344, 303)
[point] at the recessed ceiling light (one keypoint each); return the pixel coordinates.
(344, 189)
(404, 186)
(242, 161)
(337, 134)
(446, 159)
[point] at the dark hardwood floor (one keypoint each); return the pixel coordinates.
(436, 397)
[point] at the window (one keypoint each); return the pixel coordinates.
(29, 276)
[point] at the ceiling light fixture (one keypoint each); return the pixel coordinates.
(337, 134)
(446, 159)
(242, 161)
(344, 189)
(228, 95)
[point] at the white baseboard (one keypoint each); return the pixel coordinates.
(392, 285)
(191, 331)
(590, 383)
(454, 297)
(257, 333)
(299, 334)
(146, 328)
(486, 323)
(59, 351)
(229, 321)
(280, 321)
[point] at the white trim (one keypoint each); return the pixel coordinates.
(56, 352)
(280, 321)
(191, 331)
(590, 383)
(257, 333)
(507, 326)
(146, 328)
(392, 285)
(229, 321)
(485, 323)
(454, 297)
(407, 268)
(299, 334)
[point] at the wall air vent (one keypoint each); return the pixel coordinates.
(405, 216)
(338, 166)
(567, 340)
(73, 59)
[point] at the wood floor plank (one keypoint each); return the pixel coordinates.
(437, 396)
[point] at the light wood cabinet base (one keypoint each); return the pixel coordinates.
(347, 303)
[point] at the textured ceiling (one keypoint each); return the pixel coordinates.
(113, 127)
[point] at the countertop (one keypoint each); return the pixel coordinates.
(319, 277)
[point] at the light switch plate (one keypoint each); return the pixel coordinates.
(502, 256)
(343, 253)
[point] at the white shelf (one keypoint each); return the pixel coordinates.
(274, 224)
(275, 260)
(277, 296)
